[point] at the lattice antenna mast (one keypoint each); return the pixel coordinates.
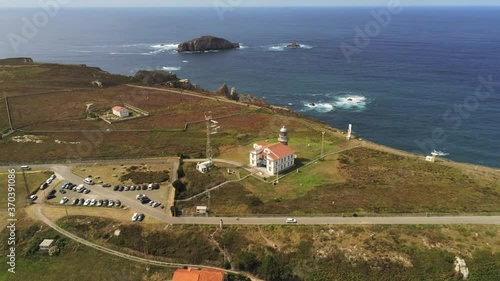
(212, 127)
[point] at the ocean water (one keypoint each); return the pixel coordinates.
(411, 81)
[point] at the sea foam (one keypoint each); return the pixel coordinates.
(171, 68)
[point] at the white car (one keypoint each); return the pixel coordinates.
(156, 204)
(111, 203)
(134, 217)
(48, 181)
(88, 181)
(87, 202)
(291, 220)
(33, 197)
(93, 202)
(64, 200)
(52, 177)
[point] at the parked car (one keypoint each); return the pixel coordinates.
(111, 203)
(291, 220)
(127, 188)
(134, 216)
(44, 186)
(121, 188)
(145, 200)
(151, 203)
(140, 217)
(62, 191)
(139, 196)
(156, 186)
(25, 167)
(87, 202)
(118, 203)
(132, 188)
(106, 185)
(99, 203)
(80, 203)
(86, 191)
(64, 200)
(50, 197)
(88, 181)
(48, 181)
(156, 204)
(33, 197)
(144, 187)
(93, 202)
(150, 186)
(75, 201)
(52, 177)
(116, 187)
(105, 203)
(52, 192)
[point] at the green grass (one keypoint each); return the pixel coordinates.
(24, 186)
(365, 181)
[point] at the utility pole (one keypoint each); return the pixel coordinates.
(322, 141)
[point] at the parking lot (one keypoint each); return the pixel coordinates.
(84, 195)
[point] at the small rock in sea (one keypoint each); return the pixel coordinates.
(349, 99)
(312, 104)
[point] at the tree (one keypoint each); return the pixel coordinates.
(247, 261)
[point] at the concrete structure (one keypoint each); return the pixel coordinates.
(201, 209)
(205, 274)
(46, 244)
(349, 132)
(431, 158)
(204, 167)
(121, 111)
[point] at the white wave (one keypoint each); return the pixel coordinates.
(277, 48)
(284, 46)
(243, 46)
(84, 51)
(165, 46)
(350, 102)
(321, 107)
(118, 53)
(171, 68)
(440, 153)
(185, 61)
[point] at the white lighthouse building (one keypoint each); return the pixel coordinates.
(274, 157)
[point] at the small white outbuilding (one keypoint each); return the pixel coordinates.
(121, 111)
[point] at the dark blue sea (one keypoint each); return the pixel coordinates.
(417, 79)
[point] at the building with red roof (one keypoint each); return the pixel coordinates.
(275, 157)
(205, 274)
(121, 111)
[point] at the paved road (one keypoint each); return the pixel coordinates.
(64, 171)
(51, 224)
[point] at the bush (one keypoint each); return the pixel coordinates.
(246, 261)
(145, 177)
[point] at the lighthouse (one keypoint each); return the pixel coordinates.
(349, 132)
(283, 138)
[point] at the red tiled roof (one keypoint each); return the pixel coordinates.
(118, 108)
(204, 274)
(278, 150)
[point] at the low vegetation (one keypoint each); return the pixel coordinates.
(360, 182)
(139, 177)
(309, 252)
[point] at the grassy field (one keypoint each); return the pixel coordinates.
(293, 252)
(74, 261)
(26, 183)
(361, 181)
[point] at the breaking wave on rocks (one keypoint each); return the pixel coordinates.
(284, 46)
(338, 102)
(171, 68)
